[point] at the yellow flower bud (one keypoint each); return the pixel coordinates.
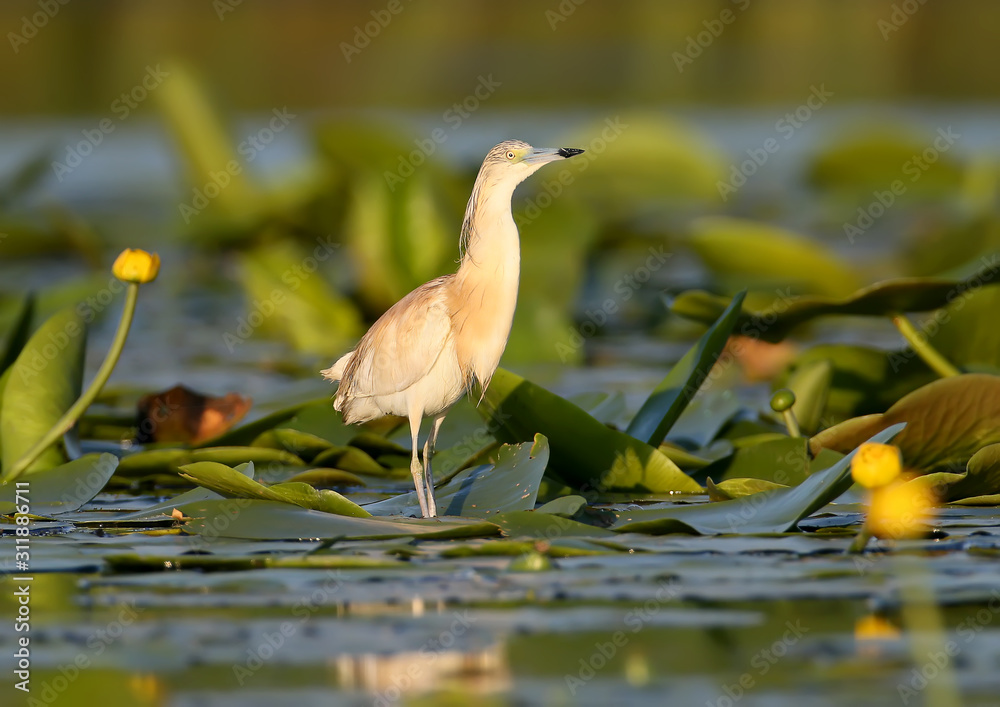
(900, 510)
(134, 265)
(876, 464)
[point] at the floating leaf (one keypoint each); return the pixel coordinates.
(738, 488)
(869, 159)
(964, 332)
(982, 478)
(64, 488)
(247, 433)
(271, 520)
(232, 484)
(566, 506)
(327, 478)
(300, 306)
(509, 485)
(948, 421)
(545, 526)
(585, 454)
(776, 511)
(668, 400)
(764, 256)
(168, 460)
(19, 333)
(783, 460)
(43, 383)
(811, 385)
(302, 444)
(775, 322)
(863, 379)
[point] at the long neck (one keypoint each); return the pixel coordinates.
(489, 235)
(488, 278)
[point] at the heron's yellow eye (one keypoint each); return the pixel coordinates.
(510, 154)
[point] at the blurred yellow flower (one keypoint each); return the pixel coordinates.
(134, 265)
(876, 464)
(900, 510)
(875, 628)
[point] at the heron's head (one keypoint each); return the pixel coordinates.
(512, 161)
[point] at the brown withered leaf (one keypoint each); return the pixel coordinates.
(184, 415)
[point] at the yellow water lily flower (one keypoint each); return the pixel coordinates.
(135, 265)
(900, 510)
(876, 464)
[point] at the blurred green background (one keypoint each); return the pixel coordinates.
(300, 165)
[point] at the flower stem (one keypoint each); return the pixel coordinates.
(918, 342)
(791, 423)
(860, 541)
(76, 410)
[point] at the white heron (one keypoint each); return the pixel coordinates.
(447, 335)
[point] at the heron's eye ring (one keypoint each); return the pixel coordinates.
(510, 155)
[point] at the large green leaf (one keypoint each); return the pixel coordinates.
(776, 321)
(869, 158)
(298, 304)
(247, 433)
(272, 520)
(231, 483)
(509, 485)
(44, 382)
(863, 379)
(585, 454)
(19, 332)
(784, 460)
(764, 256)
(66, 487)
(776, 511)
(153, 461)
(811, 385)
(948, 421)
(668, 400)
(965, 331)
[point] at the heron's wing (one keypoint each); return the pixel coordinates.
(403, 345)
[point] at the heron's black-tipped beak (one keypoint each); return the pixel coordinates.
(569, 151)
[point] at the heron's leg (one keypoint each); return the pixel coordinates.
(428, 453)
(415, 468)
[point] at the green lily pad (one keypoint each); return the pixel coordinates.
(232, 484)
(964, 332)
(863, 379)
(350, 459)
(565, 506)
(271, 520)
(948, 421)
(301, 444)
(764, 255)
(738, 488)
(811, 385)
(667, 401)
(167, 461)
(585, 454)
(325, 478)
(64, 488)
(247, 433)
(19, 333)
(782, 460)
(510, 484)
(777, 321)
(545, 526)
(44, 381)
(776, 511)
(981, 479)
